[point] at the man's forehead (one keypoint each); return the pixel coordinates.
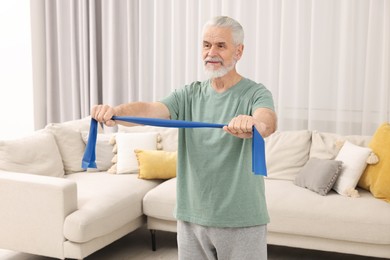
(215, 34)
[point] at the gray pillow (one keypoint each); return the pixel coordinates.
(319, 175)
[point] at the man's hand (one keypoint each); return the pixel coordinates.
(264, 119)
(241, 126)
(103, 114)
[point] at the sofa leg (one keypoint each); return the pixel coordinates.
(153, 233)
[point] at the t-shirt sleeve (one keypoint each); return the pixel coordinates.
(173, 102)
(263, 99)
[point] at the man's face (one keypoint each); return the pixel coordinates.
(220, 54)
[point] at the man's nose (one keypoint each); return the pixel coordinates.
(213, 51)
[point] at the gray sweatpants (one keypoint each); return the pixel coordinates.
(209, 243)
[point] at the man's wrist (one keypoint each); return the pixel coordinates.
(116, 111)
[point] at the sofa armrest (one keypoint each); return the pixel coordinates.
(32, 212)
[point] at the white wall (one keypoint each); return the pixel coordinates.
(16, 96)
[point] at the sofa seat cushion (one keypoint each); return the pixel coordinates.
(160, 201)
(106, 202)
(295, 210)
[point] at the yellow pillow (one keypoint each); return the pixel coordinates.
(155, 164)
(376, 177)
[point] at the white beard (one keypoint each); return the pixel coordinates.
(211, 74)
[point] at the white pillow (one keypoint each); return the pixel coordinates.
(104, 152)
(354, 162)
(36, 154)
(127, 143)
(168, 135)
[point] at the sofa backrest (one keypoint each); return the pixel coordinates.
(288, 151)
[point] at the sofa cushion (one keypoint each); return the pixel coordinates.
(70, 144)
(126, 144)
(69, 141)
(325, 145)
(376, 178)
(319, 175)
(154, 164)
(80, 125)
(36, 153)
(160, 201)
(294, 210)
(168, 135)
(106, 202)
(104, 150)
(286, 152)
(354, 159)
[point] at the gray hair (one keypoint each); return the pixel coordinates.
(225, 21)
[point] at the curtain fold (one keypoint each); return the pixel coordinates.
(66, 80)
(327, 62)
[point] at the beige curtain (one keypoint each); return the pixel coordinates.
(327, 62)
(65, 59)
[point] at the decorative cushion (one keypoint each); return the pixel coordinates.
(325, 145)
(168, 135)
(154, 164)
(286, 152)
(127, 143)
(37, 154)
(70, 144)
(104, 151)
(80, 125)
(376, 178)
(319, 175)
(354, 162)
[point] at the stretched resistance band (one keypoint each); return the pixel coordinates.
(258, 150)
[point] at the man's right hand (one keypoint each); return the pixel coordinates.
(103, 114)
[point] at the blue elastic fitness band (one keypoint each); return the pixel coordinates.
(258, 149)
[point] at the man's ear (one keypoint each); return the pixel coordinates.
(239, 51)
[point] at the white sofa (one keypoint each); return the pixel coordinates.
(53, 208)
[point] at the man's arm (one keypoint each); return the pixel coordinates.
(104, 113)
(264, 119)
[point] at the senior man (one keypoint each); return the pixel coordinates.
(221, 208)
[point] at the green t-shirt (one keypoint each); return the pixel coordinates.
(215, 183)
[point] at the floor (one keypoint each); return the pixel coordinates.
(137, 246)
